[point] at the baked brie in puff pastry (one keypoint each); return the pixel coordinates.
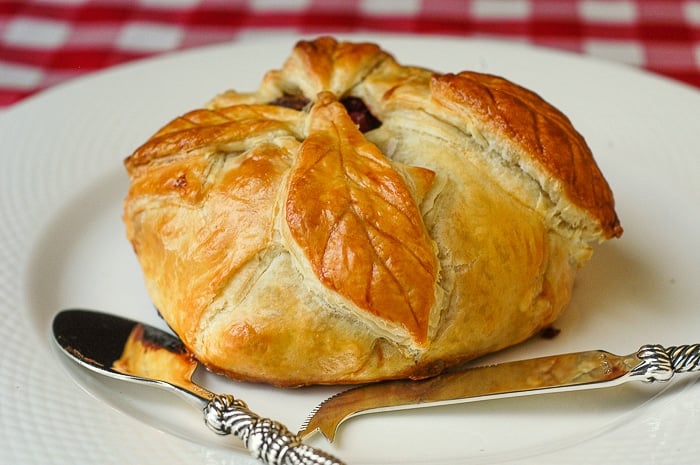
(355, 220)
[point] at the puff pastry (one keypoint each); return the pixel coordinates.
(355, 219)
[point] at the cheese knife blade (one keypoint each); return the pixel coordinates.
(580, 370)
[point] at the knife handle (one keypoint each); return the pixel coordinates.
(266, 439)
(659, 363)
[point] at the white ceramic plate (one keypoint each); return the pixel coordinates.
(62, 245)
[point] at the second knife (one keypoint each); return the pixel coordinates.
(580, 370)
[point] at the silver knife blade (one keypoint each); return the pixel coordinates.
(580, 370)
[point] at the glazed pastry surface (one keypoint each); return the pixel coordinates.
(355, 220)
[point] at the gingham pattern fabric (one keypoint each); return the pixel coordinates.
(43, 42)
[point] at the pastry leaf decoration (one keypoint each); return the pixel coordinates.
(353, 216)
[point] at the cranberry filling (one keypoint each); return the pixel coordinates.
(295, 102)
(360, 114)
(357, 110)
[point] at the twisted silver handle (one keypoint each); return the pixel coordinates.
(266, 439)
(660, 363)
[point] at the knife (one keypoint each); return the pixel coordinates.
(580, 370)
(132, 351)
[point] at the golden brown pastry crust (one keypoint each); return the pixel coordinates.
(287, 246)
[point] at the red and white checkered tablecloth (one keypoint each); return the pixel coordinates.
(43, 42)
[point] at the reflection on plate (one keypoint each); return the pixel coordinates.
(63, 245)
